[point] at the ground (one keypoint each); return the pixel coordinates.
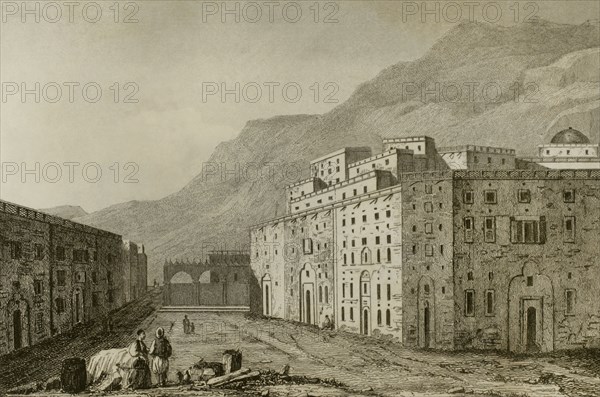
(363, 366)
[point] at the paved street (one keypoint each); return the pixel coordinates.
(366, 366)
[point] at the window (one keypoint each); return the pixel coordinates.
(428, 250)
(365, 288)
(352, 221)
(61, 278)
(470, 276)
(345, 259)
(353, 244)
(377, 216)
(95, 277)
(468, 197)
(489, 160)
(429, 228)
(39, 251)
(428, 189)
(379, 321)
(16, 250)
(489, 197)
(364, 189)
(389, 238)
(530, 281)
(414, 249)
(528, 231)
(389, 292)
(79, 255)
(364, 218)
(388, 213)
(37, 287)
(468, 223)
(489, 229)
(569, 229)
(387, 161)
(570, 301)
(378, 291)
(469, 303)
(351, 314)
(308, 246)
(60, 253)
(343, 222)
(343, 290)
(343, 314)
(39, 322)
(60, 305)
(426, 289)
(352, 258)
(524, 196)
(320, 294)
(489, 303)
(569, 196)
(428, 206)
(376, 239)
(95, 299)
(388, 317)
(354, 192)
(389, 255)
(343, 196)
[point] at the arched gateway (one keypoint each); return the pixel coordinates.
(224, 280)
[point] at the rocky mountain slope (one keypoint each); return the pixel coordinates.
(66, 211)
(502, 86)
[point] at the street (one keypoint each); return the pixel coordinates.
(364, 366)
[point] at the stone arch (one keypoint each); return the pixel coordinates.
(205, 277)
(181, 277)
(531, 311)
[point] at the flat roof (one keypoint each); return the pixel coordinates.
(475, 148)
(340, 151)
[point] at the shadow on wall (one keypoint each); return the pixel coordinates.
(256, 304)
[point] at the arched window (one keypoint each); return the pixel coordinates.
(389, 255)
(388, 317)
(378, 255)
(379, 317)
(344, 259)
(426, 288)
(351, 314)
(326, 294)
(343, 314)
(320, 294)
(352, 258)
(365, 257)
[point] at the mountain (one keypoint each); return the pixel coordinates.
(66, 211)
(502, 86)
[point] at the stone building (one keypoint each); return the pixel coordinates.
(135, 270)
(450, 248)
(54, 274)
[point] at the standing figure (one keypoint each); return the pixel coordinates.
(161, 350)
(192, 328)
(139, 376)
(186, 325)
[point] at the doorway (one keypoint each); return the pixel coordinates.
(267, 311)
(531, 338)
(366, 322)
(17, 329)
(426, 326)
(308, 307)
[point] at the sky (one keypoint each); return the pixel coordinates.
(103, 104)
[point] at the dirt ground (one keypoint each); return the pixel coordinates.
(364, 366)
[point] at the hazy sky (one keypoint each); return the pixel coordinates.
(176, 52)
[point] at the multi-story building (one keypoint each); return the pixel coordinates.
(54, 274)
(463, 247)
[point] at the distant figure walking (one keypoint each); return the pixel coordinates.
(327, 323)
(171, 327)
(161, 350)
(192, 328)
(139, 376)
(186, 325)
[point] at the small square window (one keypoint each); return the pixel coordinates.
(524, 196)
(530, 281)
(490, 197)
(468, 197)
(569, 196)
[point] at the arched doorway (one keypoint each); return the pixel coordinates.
(266, 287)
(182, 290)
(365, 302)
(426, 310)
(17, 329)
(308, 280)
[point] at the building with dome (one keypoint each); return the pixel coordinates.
(463, 247)
(568, 149)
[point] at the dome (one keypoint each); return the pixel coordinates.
(570, 136)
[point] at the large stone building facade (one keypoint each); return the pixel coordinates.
(451, 248)
(54, 274)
